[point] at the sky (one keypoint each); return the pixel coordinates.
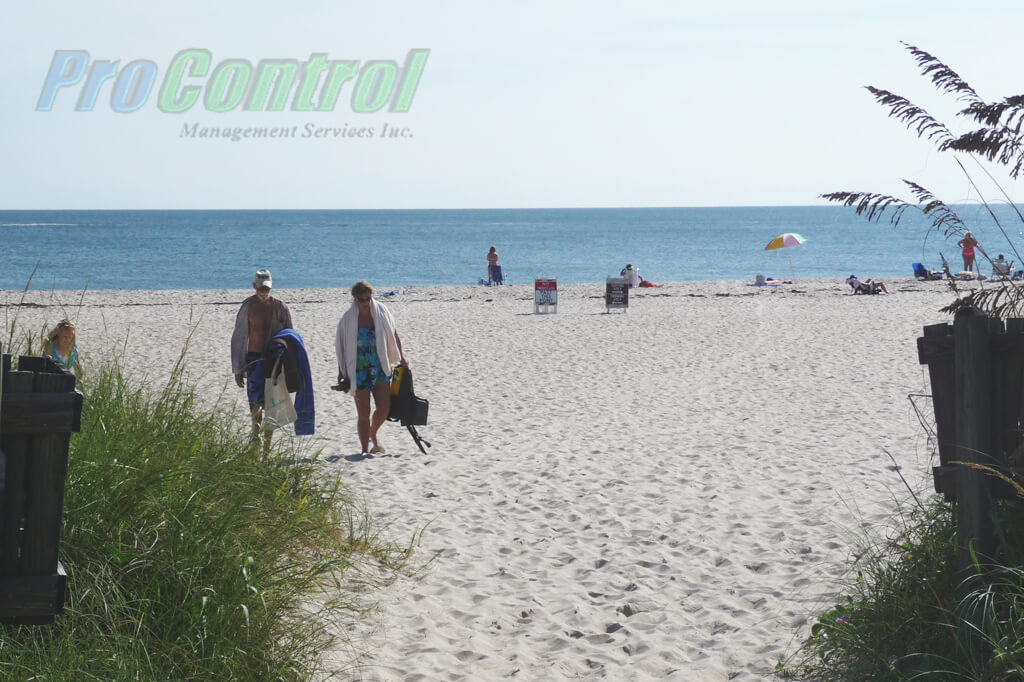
(519, 104)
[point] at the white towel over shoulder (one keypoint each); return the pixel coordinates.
(348, 334)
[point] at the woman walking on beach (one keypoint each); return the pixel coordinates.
(368, 346)
(968, 243)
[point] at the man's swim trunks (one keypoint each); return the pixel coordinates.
(254, 381)
(369, 373)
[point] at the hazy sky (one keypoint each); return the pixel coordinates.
(519, 104)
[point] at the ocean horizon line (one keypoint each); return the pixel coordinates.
(823, 204)
(448, 208)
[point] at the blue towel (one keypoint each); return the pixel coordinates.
(305, 424)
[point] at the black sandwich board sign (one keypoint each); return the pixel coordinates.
(616, 294)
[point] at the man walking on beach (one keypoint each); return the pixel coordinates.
(258, 320)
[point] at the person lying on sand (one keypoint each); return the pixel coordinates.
(868, 287)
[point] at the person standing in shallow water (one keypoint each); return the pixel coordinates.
(368, 347)
(492, 263)
(968, 244)
(258, 320)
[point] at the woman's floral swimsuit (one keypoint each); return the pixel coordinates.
(369, 373)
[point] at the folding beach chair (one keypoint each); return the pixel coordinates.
(1001, 269)
(921, 272)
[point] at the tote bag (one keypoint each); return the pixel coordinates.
(278, 409)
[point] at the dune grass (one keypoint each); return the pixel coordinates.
(906, 616)
(190, 556)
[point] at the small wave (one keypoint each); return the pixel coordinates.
(38, 224)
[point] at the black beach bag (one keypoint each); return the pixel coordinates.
(406, 408)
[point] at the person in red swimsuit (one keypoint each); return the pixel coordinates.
(967, 244)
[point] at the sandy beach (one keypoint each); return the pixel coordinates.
(667, 493)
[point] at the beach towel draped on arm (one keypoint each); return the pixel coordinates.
(305, 407)
(345, 341)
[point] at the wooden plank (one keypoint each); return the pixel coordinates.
(12, 512)
(945, 483)
(31, 596)
(1013, 412)
(39, 409)
(31, 363)
(997, 391)
(16, 449)
(937, 343)
(935, 349)
(4, 532)
(3, 457)
(47, 469)
(973, 338)
(944, 477)
(27, 413)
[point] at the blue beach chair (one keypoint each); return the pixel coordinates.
(496, 276)
(921, 272)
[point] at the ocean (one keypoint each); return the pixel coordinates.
(199, 249)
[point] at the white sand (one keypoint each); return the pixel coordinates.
(669, 493)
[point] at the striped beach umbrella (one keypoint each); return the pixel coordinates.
(784, 241)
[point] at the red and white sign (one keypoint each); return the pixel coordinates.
(545, 293)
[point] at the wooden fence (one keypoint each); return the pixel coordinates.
(39, 409)
(976, 367)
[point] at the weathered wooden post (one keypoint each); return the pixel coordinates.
(1012, 395)
(974, 340)
(935, 349)
(39, 409)
(976, 376)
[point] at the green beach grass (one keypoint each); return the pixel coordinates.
(906, 616)
(191, 557)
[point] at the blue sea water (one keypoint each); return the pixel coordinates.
(333, 248)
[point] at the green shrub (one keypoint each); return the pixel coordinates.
(907, 617)
(189, 556)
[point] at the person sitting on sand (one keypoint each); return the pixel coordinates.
(61, 346)
(259, 319)
(632, 274)
(1000, 267)
(867, 287)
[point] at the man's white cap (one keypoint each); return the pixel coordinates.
(262, 279)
